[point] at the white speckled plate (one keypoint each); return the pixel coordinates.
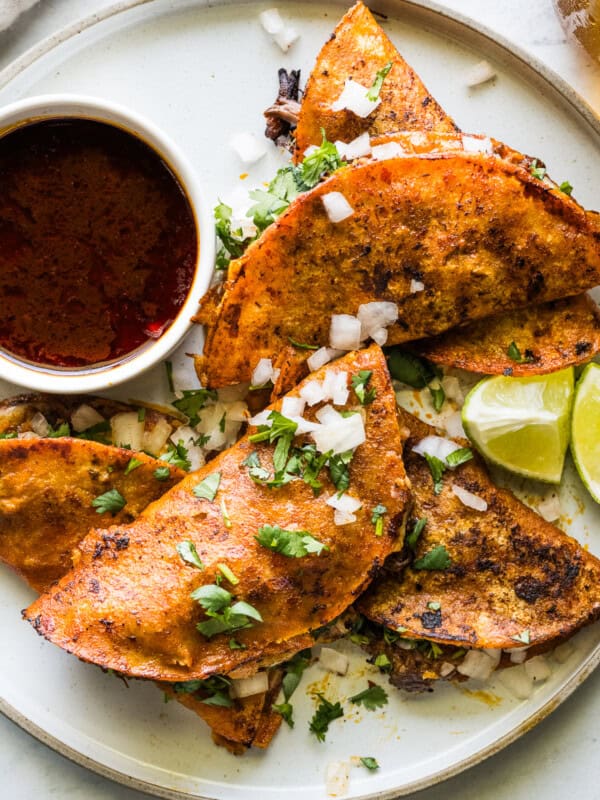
(202, 72)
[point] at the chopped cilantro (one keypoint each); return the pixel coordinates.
(280, 426)
(377, 518)
(537, 172)
(413, 537)
(224, 617)
(9, 435)
(360, 383)
(96, 433)
(228, 574)
(437, 469)
(141, 414)
(222, 422)
(192, 402)
(231, 242)
(459, 457)
(383, 662)
(372, 698)
(438, 558)
(235, 645)
(434, 605)
(293, 674)
(380, 76)
(132, 464)
(566, 187)
(177, 455)
(287, 712)
(322, 161)
(302, 345)
(514, 354)
(169, 371)
(369, 762)
(207, 489)
(62, 430)
(225, 514)
(187, 551)
(293, 544)
(162, 473)
(326, 712)
(338, 469)
(112, 501)
(418, 373)
(215, 690)
(438, 396)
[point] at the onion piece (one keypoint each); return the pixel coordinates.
(416, 286)
(321, 357)
(313, 392)
(327, 415)
(549, 507)
(85, 417)
(271, 20)
(293, 406)
(477, 144)
(469, 499)
(477, 665)
(453, 388)
(195, 454)
(446, 669)
(340, 436)
(354, 98)
(248, 147)
(563, 652)
(376, 315)
(538, 669)
(436, 446)
(333, 661)
(263, 372)
(237, 391)
(344, 332)
(246, 687)
(479, 73)
(518, 654)
(453, 425)
(337, 776)
(381, 152)
(155, 438)
(29, 435)
(262, 418)
(517, 681)
(335, 386)
(286, 37)
(379, 336)
(127, 429)
(39, 424)
(357, 148)
(336, 206)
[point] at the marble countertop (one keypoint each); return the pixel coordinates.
(557, 757)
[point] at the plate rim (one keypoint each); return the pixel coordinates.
(504, 49)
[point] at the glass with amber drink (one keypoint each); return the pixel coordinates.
(581, 20)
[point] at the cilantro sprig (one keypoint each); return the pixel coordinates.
(514, 354)
(294, 669)
(360, 384)
(418, 373)
(380, 76)
(436, 559)
(225, 615)
(192, 402)
(325, 714)
(177, 455)
(372, 698)
(438, 466)
(207, 489)
(377, 518)
(111, 501)
(214, 691)
(293, 544)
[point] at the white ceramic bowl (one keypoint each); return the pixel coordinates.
(94, 378)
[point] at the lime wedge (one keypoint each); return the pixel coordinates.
(585, 429)
(522, 424)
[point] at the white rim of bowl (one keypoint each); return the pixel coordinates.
(103, 377)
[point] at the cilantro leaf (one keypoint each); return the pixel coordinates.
(232, 243)
(418, 373)
(326, 712)
(383, 662)
(338, 469)
(372, 698)
(280, 426)
(224, 617)
(214, 691)
(566, 187)
(537, 172)
(169, 371)
(293, 544)
(360, 383)
(208, 488)
(514, 354)
(377, 518)
(228, 574)
(380, 76)
(438, 396)
(187, 551)
(192, 402)
(413, 537)
(438, 558)
(437, 469)
(302, 345)
(459, 457)
(162, 473)
(177, 455)
(96, 433)
(324, 160)
(112, 501)
(132, 464)
(369, 762)
(211, 597)
(286, 710)
(9, 435)
(62, 430)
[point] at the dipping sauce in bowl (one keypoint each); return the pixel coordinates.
(98, 243)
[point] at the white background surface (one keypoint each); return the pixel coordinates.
(556, 759)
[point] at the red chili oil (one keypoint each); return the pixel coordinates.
(98, 243)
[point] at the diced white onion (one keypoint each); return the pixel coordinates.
(416, 286)
(263, 372)
(127, 429)
(335, 386)
(337, 776)
(155, 437)
(379, 336)
(454, 427)
(262, 418)
(479, 73)
(246, 687)
(518, 654)
(469, 499)
(195, 454)
(39, 424)
(452, 388)
(286, 37)
(446, 669)
(344, 502)
(29, 435)
(312, 392)
(84, 417)
(354, 98)
(477, 144)
(240, 202)
(344, 332)
(538, 669)
(550, 508)
(237, 411)
(248, 147)
(321, 357)
(357, 148)
(517, 681)
(304, 425)
(340, 436)
(210, 425)
(229, 394)
(327, 415)
(381, 152)
(271, 20)
(333, 661)
(436, 446)
(478, 665)
(376, 315)
(292, 406)
(563, 652)
(336, 206)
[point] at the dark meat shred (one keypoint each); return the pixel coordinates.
(282, 116)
